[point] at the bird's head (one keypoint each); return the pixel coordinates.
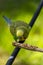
(19, 34)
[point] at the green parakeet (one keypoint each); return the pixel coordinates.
(19, 30)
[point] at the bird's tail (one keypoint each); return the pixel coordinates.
(7, 20)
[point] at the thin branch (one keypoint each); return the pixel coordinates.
(27, 46)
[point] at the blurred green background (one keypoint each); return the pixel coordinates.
(21, 10)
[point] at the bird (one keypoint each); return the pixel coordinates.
(19, 29)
